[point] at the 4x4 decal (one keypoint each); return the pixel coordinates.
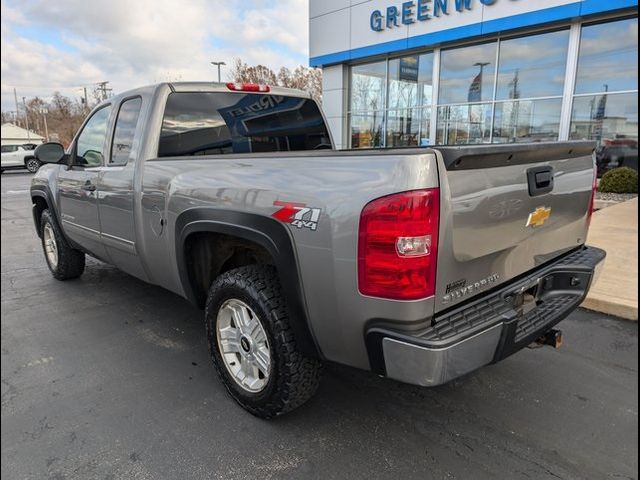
(297, 214)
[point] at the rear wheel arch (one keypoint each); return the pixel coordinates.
(264, 238)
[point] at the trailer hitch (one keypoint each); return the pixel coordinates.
(552, 338)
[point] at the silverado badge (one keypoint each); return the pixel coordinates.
(538, 216)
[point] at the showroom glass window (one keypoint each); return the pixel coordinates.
(605, 103)
(409, 105)
(517, 100)
(391, 102)
(530, 85)
(467, 77)
(368, 91)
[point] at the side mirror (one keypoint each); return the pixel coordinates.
(51, 152)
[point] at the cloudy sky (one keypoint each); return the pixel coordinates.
(67, 44)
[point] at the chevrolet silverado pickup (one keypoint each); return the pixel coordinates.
(420, 265)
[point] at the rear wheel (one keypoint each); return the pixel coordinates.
(252, 345)
(32, 164)
(64, 261)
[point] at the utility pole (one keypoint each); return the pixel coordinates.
(102, 87)
(44, 112)
(26, 119)
(218, 64)
(86, 101)
(15, 97)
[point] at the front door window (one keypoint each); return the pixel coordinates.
(91, 142)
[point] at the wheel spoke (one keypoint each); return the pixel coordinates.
(253, 327)
(247, 321)
(236, 315)
(229, 341)
(261, 356)
(245, 369)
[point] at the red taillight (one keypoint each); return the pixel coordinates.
(398, 245)
(248, 87)
(592, 203)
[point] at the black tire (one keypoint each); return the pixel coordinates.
(293, 377)
(32, 164)
(70, 262)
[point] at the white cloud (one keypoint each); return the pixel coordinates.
(132, 43)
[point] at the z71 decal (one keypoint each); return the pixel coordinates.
(297, 214)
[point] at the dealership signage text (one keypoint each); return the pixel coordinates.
(418, 11)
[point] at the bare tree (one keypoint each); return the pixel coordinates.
(242, 72)
(64, 116)
(301, 78)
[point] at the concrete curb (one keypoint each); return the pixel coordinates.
(615, 291)
(600, 204)
(611, 307)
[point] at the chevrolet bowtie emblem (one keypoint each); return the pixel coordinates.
(538, 216)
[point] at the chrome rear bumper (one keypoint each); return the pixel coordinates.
(489, 327)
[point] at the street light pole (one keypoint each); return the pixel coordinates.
(218, 64)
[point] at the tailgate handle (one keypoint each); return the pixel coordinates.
(540, 180)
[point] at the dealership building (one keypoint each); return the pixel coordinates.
(423, 72)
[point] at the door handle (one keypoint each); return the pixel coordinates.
(89, 187)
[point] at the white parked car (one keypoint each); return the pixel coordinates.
(19, 156)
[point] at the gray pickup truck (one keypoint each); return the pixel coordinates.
(421, 265)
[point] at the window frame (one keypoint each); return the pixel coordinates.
(109, 163)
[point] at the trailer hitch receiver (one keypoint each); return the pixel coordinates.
(552, 337)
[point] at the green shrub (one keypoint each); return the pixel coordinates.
(619, 180)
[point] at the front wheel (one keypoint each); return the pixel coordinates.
(32, 165)
(64, 262)
(252, 344)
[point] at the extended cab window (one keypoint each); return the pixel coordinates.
(215, 123)
(91, 141)
(125, 131)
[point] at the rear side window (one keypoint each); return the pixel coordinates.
(9, 148)
(125, 131)
(217, 123)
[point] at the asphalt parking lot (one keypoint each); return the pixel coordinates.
(107, 377)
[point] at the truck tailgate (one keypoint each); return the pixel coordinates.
(507, 209)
